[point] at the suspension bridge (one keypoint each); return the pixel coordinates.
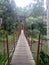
(22, 54)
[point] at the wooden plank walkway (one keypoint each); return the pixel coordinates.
(22, 54)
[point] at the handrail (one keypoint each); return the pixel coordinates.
(4, 60)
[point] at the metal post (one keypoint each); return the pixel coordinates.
(38, 50)
(7, 49)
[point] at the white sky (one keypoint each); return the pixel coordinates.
(45, 4)
(23, 3)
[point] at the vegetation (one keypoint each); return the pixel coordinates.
(35, 22)
(8, 15)
(44, 58)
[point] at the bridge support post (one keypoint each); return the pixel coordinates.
(31, 45)
(7, 49)
(4, 50)
(38, 50)
(14, 40)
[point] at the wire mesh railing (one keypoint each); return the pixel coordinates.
(7, 47)
(36, 46)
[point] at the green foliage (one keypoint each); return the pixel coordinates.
(44, 58)
(42, 28)
(38, 11)
(8, 14)
(30, 32)
(38, 15)
(34, 26)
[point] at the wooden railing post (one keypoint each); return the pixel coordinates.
(38, 50)
(4, 50)
(7, 49)
(31, 45)
(14, 40)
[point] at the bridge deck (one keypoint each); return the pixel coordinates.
(22, 54)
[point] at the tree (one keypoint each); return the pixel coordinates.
(38, 9)
(8, 14)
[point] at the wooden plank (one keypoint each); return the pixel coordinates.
(22, 54)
